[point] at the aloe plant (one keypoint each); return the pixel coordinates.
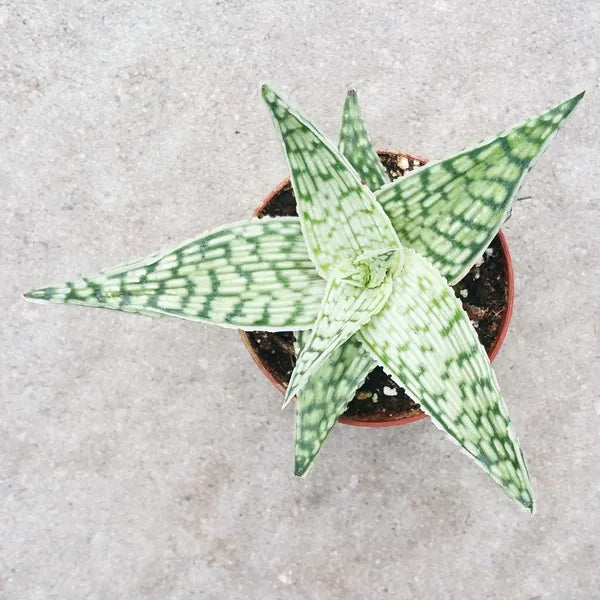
(362, 276)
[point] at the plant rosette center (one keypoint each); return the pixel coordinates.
(370, 268)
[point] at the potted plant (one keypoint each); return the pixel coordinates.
(362, 276)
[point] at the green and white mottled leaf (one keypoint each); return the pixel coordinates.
(424, 339)
(325, 397)
(450, 210)
(356, 146)
(345, 309)
(340, 217)
(255, 276)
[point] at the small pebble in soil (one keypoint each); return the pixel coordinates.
(476, 313)
(375, 398)
(388, 391)
(464, 293)
(489, 252)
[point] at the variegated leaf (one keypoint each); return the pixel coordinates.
(344, 310)
(340, 217)
(355, 145)
(325, 397)
(449, 211)
(424, 339)
(253, 276)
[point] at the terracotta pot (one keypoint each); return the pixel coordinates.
(492, 352)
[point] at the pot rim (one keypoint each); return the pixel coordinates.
(493, 352)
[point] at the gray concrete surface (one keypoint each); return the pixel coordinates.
(149, 459)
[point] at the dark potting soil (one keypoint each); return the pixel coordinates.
(483, 292)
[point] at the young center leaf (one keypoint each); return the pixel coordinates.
(449, 211)
(424, 339)
(253, 276)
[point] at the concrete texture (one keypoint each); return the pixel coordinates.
(148, 458)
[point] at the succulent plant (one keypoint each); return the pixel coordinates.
(362, 276)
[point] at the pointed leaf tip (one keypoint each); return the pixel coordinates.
(326, 397)
(268, 94)
(47, 294)
(566, 108)
(302, 466)
(32, 295)
(530, 506)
